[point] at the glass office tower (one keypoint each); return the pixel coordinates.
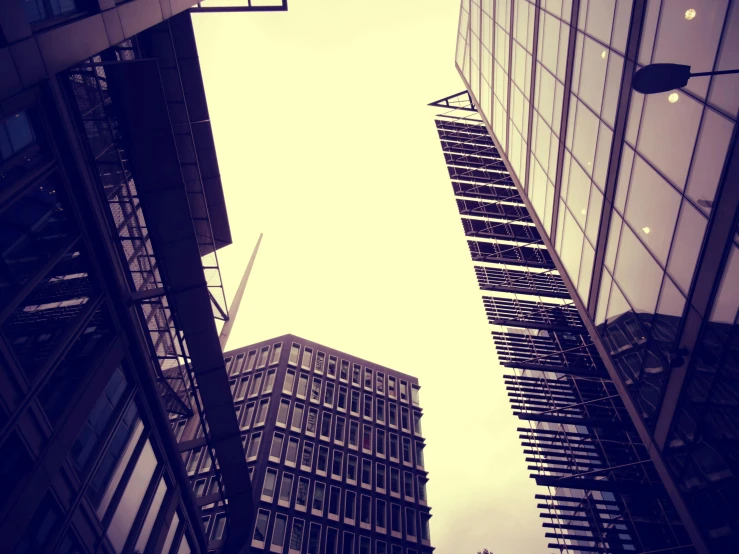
(633, 197)
(111, 215)
(334, 448)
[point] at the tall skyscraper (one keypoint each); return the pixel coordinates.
(334, 449)
(111, 215)
(632, 200)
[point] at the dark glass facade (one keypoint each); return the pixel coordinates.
(111, 215)
(632, 196)
(334, 448)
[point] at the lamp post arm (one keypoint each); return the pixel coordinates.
(705, 74)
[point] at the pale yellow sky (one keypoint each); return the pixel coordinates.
(326, 145)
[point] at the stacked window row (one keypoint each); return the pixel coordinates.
(301, 538)
(321, 364)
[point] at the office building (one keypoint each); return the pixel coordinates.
(111, 215)
(334, 449)
(633, 201)
(602, 493)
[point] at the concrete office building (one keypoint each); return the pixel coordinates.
(634, 200)
(334, 449)
(111, 215)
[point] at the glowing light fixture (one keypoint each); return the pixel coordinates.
(603, 54)
(583, 211)
(673, 98)
(690, 14)
(646, 230)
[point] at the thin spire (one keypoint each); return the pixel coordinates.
(237, 299)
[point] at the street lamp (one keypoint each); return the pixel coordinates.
(663, 77)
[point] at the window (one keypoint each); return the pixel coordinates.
(16, 132)
(275, 451)
(278, 533)
(353, 434)
(262, 412)
(365, 512)
(232, 384)
(286, 489)
(296, 537)
(219, 526)
(367, 406)
(380, 477)
(260, 529)
(395, 519)
(368, 377)
(314, 539)
(326, 425)
(356, 372)
(294, 354)
(334, 503)
(380, 449)
(419, 454)
(302, 385)
(192, 464)
(241, 391)
(392, 415)
(354, 407)
(307, 358)
(380, 385)
(424, 528)
(310, 425)
(341, 401)
(251, 357)
(380, 411)
(339, 430)
(268, 488)
(380, 514)
(410, 522)
(414, 395)
(331, 369)
(199, 487)
(301, 496)
(297, 421)
(319, 490)
(351, 469)
(282, 413)
(328, 396)
(315, 390)
(366, 473)
(337, 464)
(248, 415)
(322, 462)
(291, 455)
(179, 428)
(306, 460)
(348, 546)
(395, 481)
(238, 410)
(270, 382)
(320, 357)
(344, 374)
(349, 506)
(405, 423)
(407, 451)
(253, 450)
(422, 498)
(332, 540)
(289, 383)
(391, 386)
(403, 391)
(207, 461)
(417, 423)
(227, 361)
(262, 360)
(276, 351)
(367, 438)
(256, 384)
(408, 485)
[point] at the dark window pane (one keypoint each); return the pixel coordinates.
(15, 463)
(41, 529)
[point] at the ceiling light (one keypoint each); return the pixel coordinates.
(603, 54)
(673, 97)
(583, 211)
(690, 14)
(646, 230)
